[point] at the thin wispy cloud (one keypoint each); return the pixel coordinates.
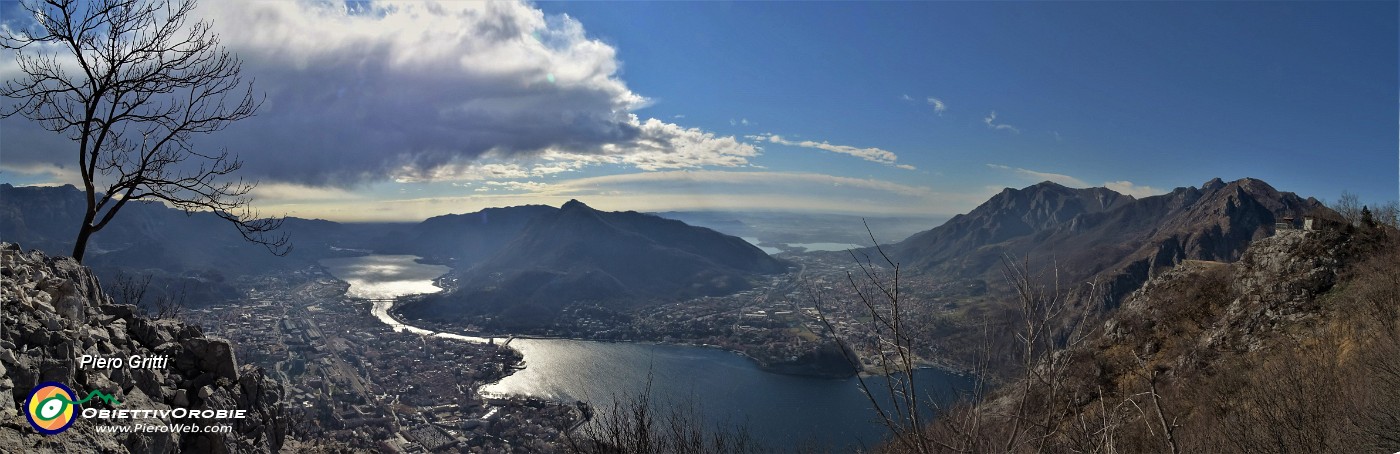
(732, 179)
(290, 192)
(991, 119)
(1122, 187)
(1128, 188)
(668, 190)
(520, 186)
(938, 105)
(42, 173)
(1035, 176)
(871, 154)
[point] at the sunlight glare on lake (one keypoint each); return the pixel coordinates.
(385, 276)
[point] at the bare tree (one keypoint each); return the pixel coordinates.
(1388, 213)
(1349, 206)
(132, 82)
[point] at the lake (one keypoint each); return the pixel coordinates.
(827, 247)
(779, 410)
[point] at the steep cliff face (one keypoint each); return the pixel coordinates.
(55, 313)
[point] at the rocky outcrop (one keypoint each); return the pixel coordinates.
(54, 313)
(1275, 284)
(1278, 282)
(1285, 349)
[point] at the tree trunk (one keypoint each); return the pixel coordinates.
(80, 246)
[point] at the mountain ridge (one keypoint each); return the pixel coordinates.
(580, 254)
(1097, 233)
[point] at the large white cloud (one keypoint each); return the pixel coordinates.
(419, 90)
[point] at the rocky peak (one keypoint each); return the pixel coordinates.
(1045, 205)
(1213, 184)
(54, 312)
(574, 204)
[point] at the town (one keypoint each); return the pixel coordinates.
(356, 383)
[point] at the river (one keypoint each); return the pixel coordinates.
(779, 410)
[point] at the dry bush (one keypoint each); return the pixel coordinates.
(638, 425)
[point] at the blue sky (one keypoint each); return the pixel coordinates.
(870, 108)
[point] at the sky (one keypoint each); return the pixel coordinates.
(382, 111)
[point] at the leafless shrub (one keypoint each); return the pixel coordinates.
(128, 289)
(638, 425)
(166, 303)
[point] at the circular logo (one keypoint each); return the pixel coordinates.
(50, 408)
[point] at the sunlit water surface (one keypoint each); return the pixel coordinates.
(828, 247)
(766, 249)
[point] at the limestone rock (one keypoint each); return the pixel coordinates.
(181, 399)
(216, 356)
(53, 312)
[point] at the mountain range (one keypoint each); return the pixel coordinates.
(524, 263)
(1098, 234)
(538, 256)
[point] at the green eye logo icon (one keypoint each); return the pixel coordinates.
(50, 408)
